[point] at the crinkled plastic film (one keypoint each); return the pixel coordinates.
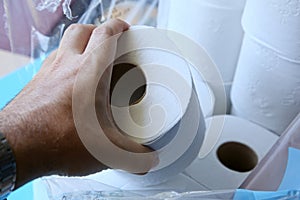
(86, 189)
(122, 195)
(33, 28)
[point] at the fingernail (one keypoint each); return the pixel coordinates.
(155, 159)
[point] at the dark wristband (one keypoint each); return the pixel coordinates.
(7, 168)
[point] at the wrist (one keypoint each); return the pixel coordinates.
(29, 149)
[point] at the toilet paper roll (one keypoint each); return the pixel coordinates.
(135, 120)
(167, 115)
(178, 183)
(219, 100)
(204, 93)
(215, 25)
(278, 26)
(227, 87)
(266, 88)
(236, 151)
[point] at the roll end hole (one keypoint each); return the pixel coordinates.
(237, 156)
(120, 70)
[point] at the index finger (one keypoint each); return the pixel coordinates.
(103, 32)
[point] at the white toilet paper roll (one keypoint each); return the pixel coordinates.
(278, 26)
(219, 100)
(167, 115)
(227, 87)
(238, 148)
(215, 25)
(160, 90)
(204, 93)
(266, 88)
(178, 183)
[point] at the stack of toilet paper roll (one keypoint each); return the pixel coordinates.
(266, 88)
(216, 26)
(228, 156)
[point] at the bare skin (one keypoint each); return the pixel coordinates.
(38, 123)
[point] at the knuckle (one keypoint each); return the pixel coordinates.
(73, 27)
(104, 30)
(77, 28)
(117, 20)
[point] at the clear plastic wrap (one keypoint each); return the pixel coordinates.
(37, 25)
(210, 195)
(121, 195)
(277, 162)
(34, 28)
(87, 189)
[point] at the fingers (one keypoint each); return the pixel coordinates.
(134, 157)
(105, 31)
(79, 38)
(135, 164)
(100, 53)
(139, 165)
(76, 38)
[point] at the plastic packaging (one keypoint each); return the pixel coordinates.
(88, 189)
(34, 28)
(269, 173)
(160, 196)
(137, 12)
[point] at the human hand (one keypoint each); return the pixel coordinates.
(38, 123)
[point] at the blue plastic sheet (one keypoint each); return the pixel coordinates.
(13, 83)
(291, 179)
(289, 187)
(265, 195)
